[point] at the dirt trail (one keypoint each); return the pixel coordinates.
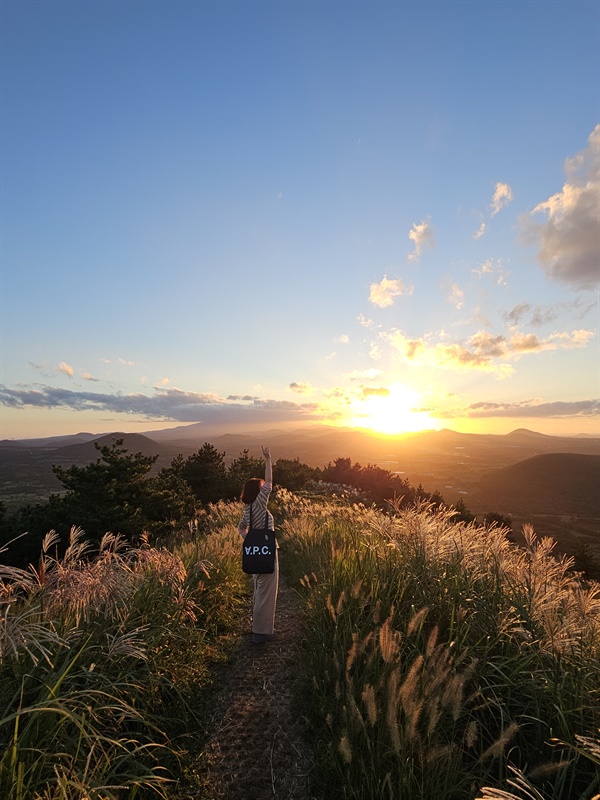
(258, 749)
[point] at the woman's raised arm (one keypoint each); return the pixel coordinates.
(268, 465)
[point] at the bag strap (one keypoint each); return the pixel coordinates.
(266, 516)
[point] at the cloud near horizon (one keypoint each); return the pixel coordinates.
(569, 245)
(525, 408)
(171, 405)
(175, 405)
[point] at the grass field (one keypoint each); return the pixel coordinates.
(441, 661)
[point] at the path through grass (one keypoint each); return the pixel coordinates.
(257, 749)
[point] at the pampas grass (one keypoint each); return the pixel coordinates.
(103, 654)
(449, 658)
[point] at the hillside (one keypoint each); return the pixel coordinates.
(26, 475)
(455, 464)
(133, 442)
(554, 483)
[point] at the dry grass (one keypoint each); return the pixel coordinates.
(102, 654)
(447, 654)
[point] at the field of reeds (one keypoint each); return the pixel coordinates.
(447, 663)
(103, 660)
(442, 662)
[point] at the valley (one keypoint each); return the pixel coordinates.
(550, 481)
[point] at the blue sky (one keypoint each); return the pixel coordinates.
(265, 213)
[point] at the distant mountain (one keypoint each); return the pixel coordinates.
(50, 441)
(194, 432)
(446, 461)
(554, 483)
(519, 433)
(133, 442)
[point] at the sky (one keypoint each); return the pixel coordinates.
(268, 214)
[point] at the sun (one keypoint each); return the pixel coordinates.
(390, 411)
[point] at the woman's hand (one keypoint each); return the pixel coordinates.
(268, 465)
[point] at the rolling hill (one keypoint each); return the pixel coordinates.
(475, 467)
(552, 483)
(133, 442)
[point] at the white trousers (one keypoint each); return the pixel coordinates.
(265, 600)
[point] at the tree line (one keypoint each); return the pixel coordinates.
(118, 493)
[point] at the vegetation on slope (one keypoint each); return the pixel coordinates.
(444, 659)
(442, 662)
(103, 661)
(559, 483)
(120, 493)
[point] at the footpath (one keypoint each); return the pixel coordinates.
(257, 749)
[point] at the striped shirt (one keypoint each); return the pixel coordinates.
(259, 507)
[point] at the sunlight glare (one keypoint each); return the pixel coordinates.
(391, 412)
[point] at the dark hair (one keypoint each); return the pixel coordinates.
(251, 489)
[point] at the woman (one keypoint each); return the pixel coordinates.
(255, 495)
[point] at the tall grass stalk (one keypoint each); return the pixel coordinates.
(444, 656)
(103, 656)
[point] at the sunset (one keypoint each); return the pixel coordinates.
(256, 215)
(393, 410)
(299, 399)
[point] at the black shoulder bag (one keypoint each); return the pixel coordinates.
(258, 549)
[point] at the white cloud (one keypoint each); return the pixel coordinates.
(503, 195)
(421, 234)
(493, 269)
(375, 352)
(409, 349)
(125, 362)
(365, 322)
(66, 368)
(569, 341)
(483, 351)
(569, 243)
(456, 295)
(382, 294)
(481, 230)
(88, 377)
(342, 338)
(485, 268)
